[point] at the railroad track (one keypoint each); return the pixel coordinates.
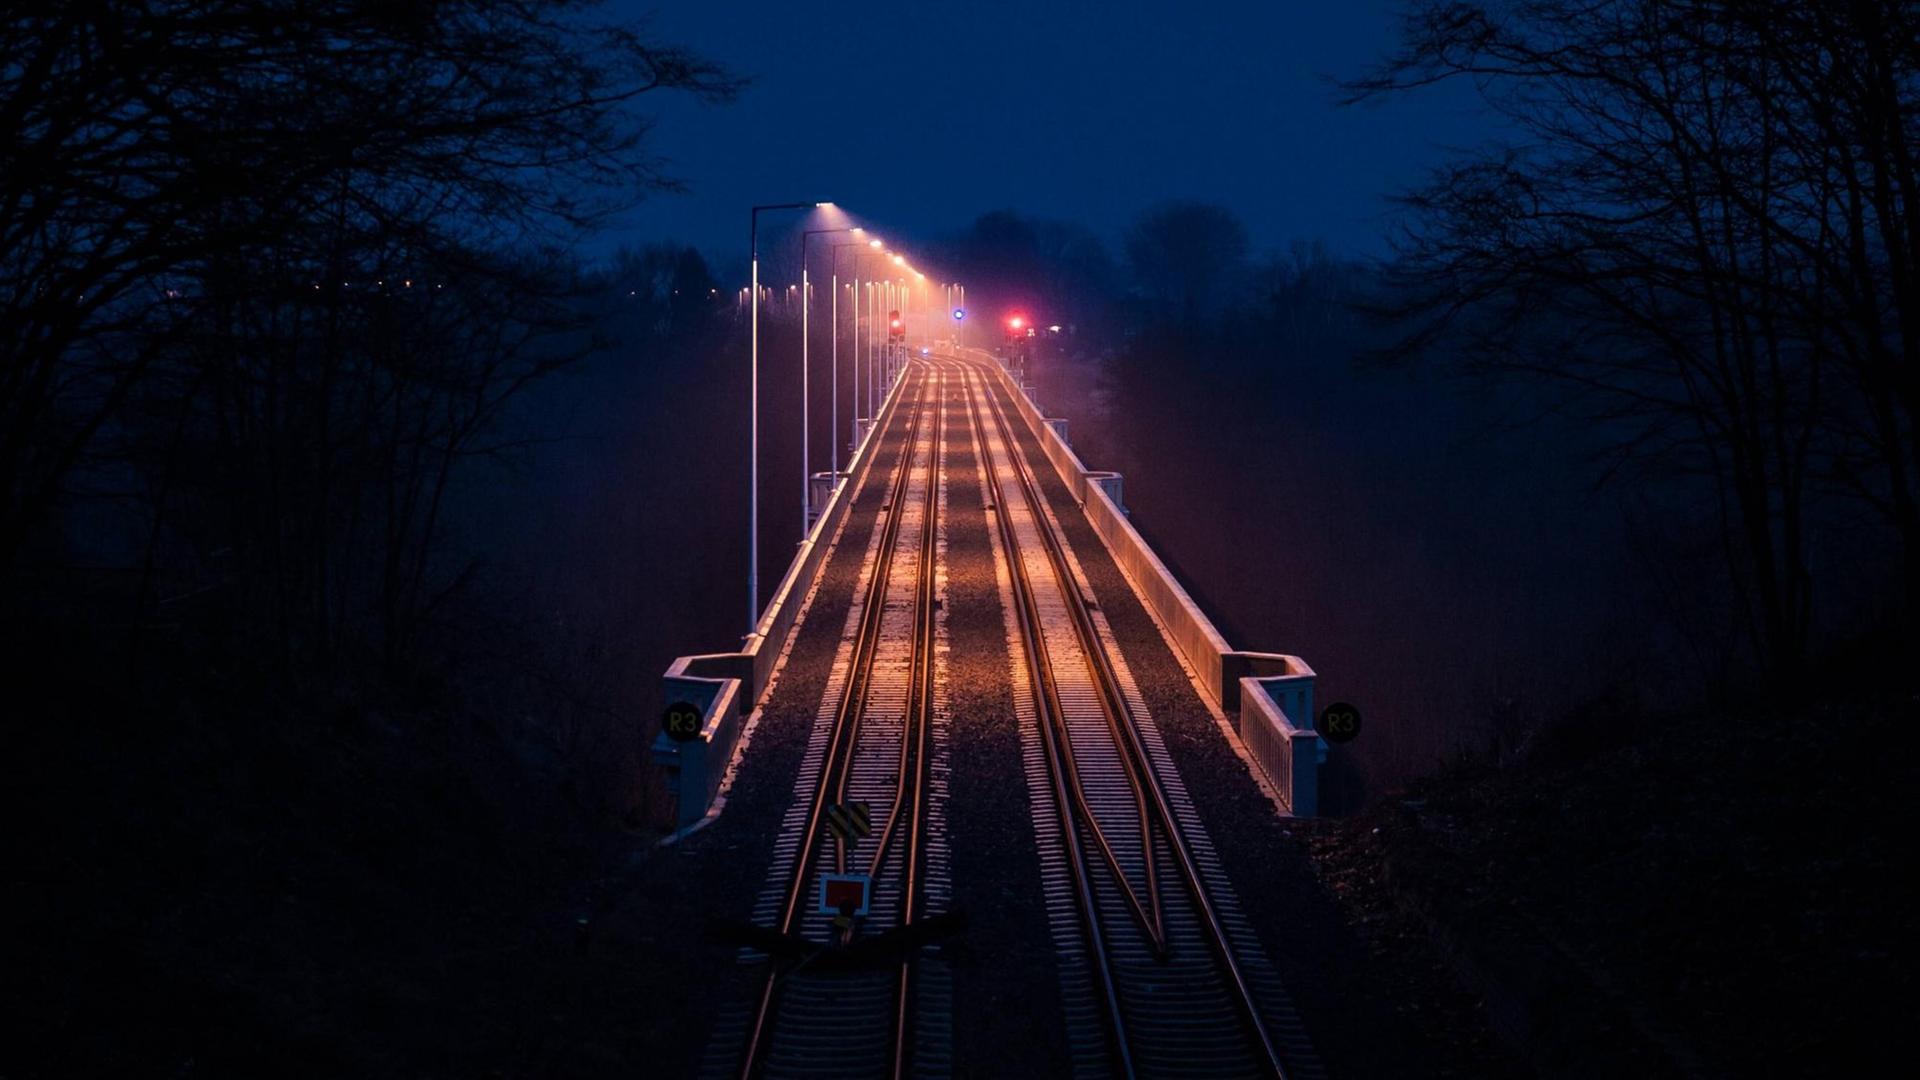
(1162, 975)
(1177, 983)
(812, 1021)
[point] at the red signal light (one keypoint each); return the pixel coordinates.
(1016, 322)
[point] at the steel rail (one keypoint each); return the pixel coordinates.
(1142, 776)
(1147, 912)
(1064, 780)
(843, 736)
(913, 739)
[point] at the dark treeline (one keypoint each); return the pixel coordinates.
(289, 320)
(261, 307)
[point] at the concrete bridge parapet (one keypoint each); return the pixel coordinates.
(727, 687)
(820, 488)
(1267, 696)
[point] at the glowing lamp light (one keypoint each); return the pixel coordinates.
(959, 313)
(1016, 322)
(875, 243)
(897, 324)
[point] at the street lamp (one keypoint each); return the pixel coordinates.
(753, 424)
(877, 245)
(957, 304)
(834, 441)
(878, 252)
(806, 444)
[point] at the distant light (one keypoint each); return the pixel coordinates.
(959, 313)
(924, 351)
(896, 324)
(875, 243)
(824, 205)
(1053, 329)
(1016, 322)
(899, 260)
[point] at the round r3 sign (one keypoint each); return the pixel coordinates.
(1339, 722)
(682, 721)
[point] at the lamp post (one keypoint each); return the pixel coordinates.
(862, 390)
(806, 438)
(883, 344)
(877, 252)
(833, 430)
(894, 288)
(853, 297)
(753, 423)
(918, 279)
(957, 309)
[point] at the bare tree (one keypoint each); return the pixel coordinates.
(164, 166)
(1186, 257)
(1701, 232)
(1310, 294)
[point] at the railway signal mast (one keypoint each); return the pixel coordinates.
(896, 345)
(1019, 329)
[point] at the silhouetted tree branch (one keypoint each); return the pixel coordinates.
(1702, 231)
(164, 165)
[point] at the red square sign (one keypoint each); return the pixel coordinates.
(838, 891)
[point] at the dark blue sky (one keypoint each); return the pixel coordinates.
(921, 116)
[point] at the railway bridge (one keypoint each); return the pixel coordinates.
(978, 711)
